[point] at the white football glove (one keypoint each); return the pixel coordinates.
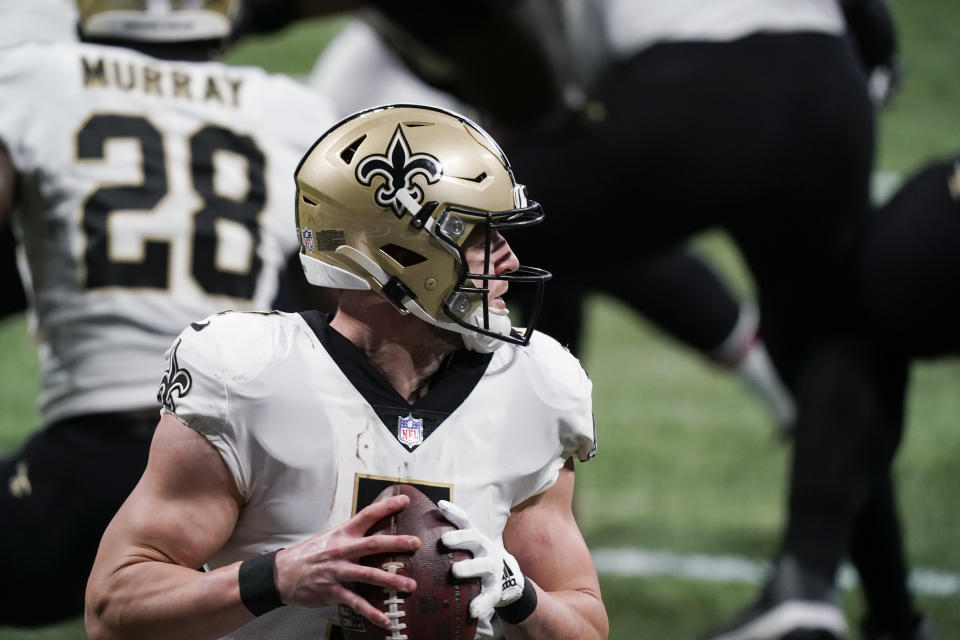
(501, 582)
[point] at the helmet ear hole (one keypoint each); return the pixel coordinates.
(347, 154)
(402, 256)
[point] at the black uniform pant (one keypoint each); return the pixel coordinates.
(57, 496)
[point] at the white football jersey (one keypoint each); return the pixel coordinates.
(312, 432)
(632, 25)
(152, 193)
(37, 21)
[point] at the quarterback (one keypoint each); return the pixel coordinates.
(147, 191)
(278, 429)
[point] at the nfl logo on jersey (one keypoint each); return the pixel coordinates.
(410, 431)
(307, 235)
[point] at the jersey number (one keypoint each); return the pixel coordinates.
(152, 271)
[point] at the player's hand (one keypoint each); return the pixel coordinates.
(884, 81)
(500, 579)
(871, 25)
(315, 572)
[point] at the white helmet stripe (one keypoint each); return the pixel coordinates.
(408, 201)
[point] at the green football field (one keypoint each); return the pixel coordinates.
(685, 501)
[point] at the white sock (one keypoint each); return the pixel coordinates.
(744, 353)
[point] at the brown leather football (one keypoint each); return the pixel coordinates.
(439, 609)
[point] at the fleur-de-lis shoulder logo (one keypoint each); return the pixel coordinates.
(398, 167)
(174, 379)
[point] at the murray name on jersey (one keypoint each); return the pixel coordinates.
(151, 77)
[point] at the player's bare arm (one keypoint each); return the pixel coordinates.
(144, 582)
(546, 541)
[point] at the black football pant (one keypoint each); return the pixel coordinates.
(56, 498)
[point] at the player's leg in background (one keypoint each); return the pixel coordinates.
(57, 495)
(686, 298)
(877, 552)
(852, 389)
(848, 389)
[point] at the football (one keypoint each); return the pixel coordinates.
(439, 609)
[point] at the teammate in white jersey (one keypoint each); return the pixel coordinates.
(148, 192)
(278, 429)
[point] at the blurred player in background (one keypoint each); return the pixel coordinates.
(754, 115)
(148, 192)
(273, 452)
(675, 289)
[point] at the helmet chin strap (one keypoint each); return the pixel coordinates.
(499, 323)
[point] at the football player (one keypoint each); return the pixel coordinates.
(148, 191)
(752, 115)
(277, 429)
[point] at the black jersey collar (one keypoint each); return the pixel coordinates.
(448, 389)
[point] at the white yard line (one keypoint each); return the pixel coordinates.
(640, 562)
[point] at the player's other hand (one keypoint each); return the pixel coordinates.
(871, 26)
(317, 571)
(500, 578)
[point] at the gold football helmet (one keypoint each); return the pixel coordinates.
(386, 200)
(158, 20)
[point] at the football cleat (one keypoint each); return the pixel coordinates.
(794, 605)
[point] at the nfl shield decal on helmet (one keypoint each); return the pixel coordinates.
(410, 431)
(307, 235)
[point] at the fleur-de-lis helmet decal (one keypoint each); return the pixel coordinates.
(398, 167)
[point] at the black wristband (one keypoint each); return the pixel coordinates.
(258, 585)
(519, 610)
